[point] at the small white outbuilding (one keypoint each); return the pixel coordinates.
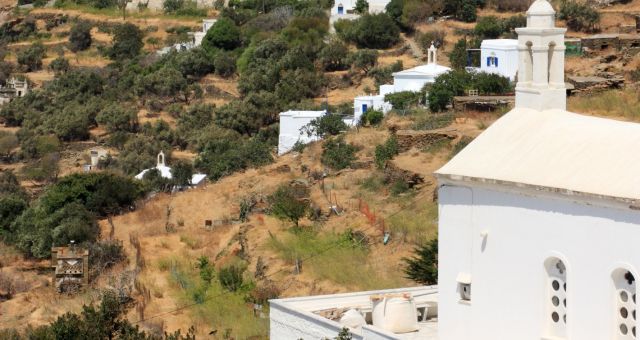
(291, 129)
(499, 56)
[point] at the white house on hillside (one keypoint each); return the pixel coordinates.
(346, 7)
(206, 25)
(539, 217)
(291, 129)
(362, 104)
(499, 56)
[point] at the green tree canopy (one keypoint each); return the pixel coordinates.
(224, 34)
(80, 36)
(127, 42)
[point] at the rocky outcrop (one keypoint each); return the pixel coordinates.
(393, 174)
(586, 84)
(408, 139)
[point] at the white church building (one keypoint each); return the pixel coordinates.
(165, 172)
(412, 80)
(539, 221)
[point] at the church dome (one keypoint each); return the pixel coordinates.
(541, 7)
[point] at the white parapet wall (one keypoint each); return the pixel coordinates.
(298, 318)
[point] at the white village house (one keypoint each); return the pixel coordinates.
(165, 172)
(14, 88)
(539, 221)
(412, 79)
(345, 9)
(196, 39)
(291, 129)
(499, 56)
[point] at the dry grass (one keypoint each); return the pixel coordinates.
(614, 103)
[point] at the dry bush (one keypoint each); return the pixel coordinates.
(7, 287)
(511, 5)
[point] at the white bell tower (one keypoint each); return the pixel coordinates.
(541, 61)
(432, 56)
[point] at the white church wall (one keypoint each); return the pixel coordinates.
(509, 293)
(412, 83)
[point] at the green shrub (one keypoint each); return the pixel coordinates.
(372, 117)
(207, 271)
(338, 154)
(80, 36)
(59, 65)
(455, 83)
(231, 277)
(404, 100)
(101, 193)
(327, 125)
(224, 156)
(31, 57)
(489, 27)
(285, 205)
(224, 34)
(422, 267)
(386, 151)
(127, 42)
(377, 31)
(579, 16)
(468, 13)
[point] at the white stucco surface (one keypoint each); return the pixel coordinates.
(506, 53)
(414, 79)
(291, 124)
(507, 267)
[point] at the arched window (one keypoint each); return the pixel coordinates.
(624, 283)
(556, 311)
(528, 74)
(340, 9)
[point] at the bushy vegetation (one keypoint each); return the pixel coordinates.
(338, 154)
(67, 211)
(327, 125)
(80, 36)
(386, 151)
(455, 83)
(286, 205)
(369, 31)
(422, 267)
(102, 322)
(405, 99)
(30, 58)
(579, 16)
